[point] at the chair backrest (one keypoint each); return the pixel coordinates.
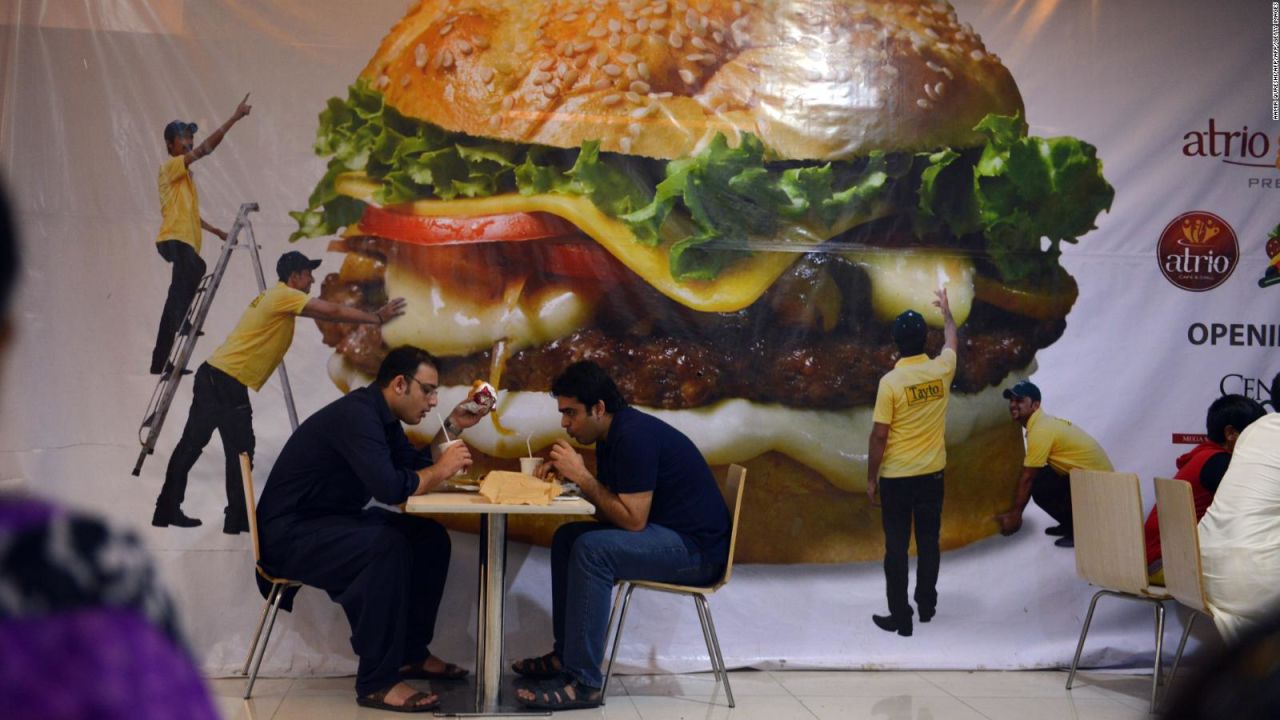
(1180, 543)
(734, 485)
(250, 506)
(1106, 509)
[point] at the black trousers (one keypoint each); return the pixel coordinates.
(188, 268)
(1052, 492)
(385, 569)
(904, 499)
(219, 403)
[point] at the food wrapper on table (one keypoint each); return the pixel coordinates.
(513, 488)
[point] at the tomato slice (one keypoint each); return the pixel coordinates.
(564, 253)
(406, 227)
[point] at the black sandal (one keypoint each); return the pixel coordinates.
(553, 694)
(412, 704)
(538, 668)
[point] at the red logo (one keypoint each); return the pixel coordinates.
(1198, 251)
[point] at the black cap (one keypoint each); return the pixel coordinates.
(1023, 389)
(176, 128)
(292, 262)
(909, 328)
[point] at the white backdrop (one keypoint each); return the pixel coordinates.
(85, 89)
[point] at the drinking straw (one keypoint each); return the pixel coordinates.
(528, 445)
(443, 429)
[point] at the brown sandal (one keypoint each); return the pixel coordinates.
(412, 704)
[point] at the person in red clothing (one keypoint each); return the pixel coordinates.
(1205, 465)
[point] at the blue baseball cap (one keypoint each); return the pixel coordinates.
(1023, 389)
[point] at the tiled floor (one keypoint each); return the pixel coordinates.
(769, 696)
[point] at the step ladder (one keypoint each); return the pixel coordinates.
(190, 331)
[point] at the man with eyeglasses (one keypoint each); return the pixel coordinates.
(386, 569)
(220, 396)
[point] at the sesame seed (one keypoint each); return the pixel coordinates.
(947, 71)
(482, 43)
(612, 70)
(550, 90)
(642, 24)
(602, 84)
(643, 70)
(928, 90)
(404, 81)
(508, 101)
(613, 41)
(658, 25)
(933, 66)
(539, 77)
(561, 69)
(708, 59)
(614, 25)
(446, 59)
(610, 99)
(625, 144)
(642, 87)
(486, 74)
(579, 61)
(570, 77)
(448, 93)
(633, 41)
(660, 9)
(644, 111)
(719, 37)
(687, 76)
(675, 40)
(420, 56)
(582, 46)
(445, 30)
(600, 58)
(464, 47)
(633, 129)
(937, 89)
(932, 33)
(633, 98)
(597, 32)
(545, 64)
(569, 17)
(698, 43)
(626, 58)
(924, 103)
(631, 73)
(693, 57)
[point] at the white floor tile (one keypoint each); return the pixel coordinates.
(1054, 709)
(255, 708)
(1011, 684)
(808, 684)
(897, 707)
(745, 683)
(765, 707)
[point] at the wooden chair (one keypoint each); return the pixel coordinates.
(1180, 549)
(734, 485)
(278, 585)
(1111, 551)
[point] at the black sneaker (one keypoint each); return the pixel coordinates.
(175, 518)
(1055, 531)
(888, 624)
(1067, 542)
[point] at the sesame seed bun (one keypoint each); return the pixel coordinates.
(814, 80)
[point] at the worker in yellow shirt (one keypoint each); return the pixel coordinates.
(906, 456)
(178, 241)
(1055, 447)
(220, 397)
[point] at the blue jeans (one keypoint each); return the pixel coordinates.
(586, 559)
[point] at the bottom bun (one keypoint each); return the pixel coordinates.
(790, 514)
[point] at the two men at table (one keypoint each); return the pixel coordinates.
(661, 515)
(1055, 447)
(387, 570)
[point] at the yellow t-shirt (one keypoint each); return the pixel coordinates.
(1059, 444)
(179, 204)
(261, 338)
(912, 401)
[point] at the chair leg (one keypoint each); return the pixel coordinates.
(1181, 645)
(257, 634)
(278, 589)
(1083, 632)
(713, 645)
(624, 595)
(1155, 672)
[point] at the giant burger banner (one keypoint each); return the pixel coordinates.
(724, 204)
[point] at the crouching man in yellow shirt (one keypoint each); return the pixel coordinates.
(905, 459)
(248, 357)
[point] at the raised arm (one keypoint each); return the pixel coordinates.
(950, 337)
(629, 511)
(215, 138)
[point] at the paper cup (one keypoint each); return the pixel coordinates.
(446, 446)
(530, 465)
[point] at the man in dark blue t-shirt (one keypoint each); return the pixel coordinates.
(661, 518)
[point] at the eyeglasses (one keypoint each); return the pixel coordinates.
(428, 390)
